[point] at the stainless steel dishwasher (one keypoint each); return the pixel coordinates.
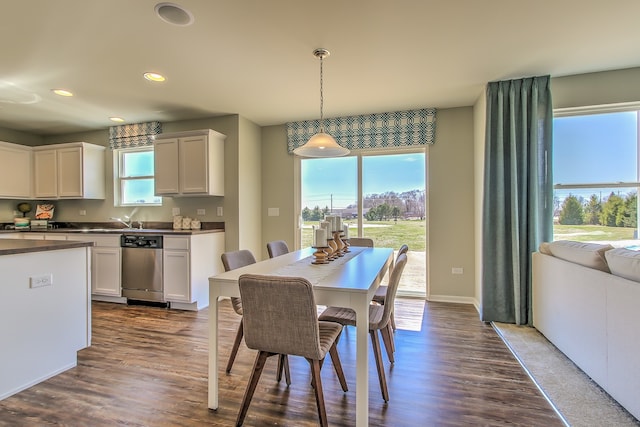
(142, 267)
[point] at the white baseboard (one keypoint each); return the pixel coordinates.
(454, 299)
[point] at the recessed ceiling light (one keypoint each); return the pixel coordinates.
(154, 77)
(174, 14)
(116, 119)
(62, 92)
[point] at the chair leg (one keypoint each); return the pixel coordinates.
(283, 365)
(258, 365)
(315, 374)
(236, 346)
(393, 338)
(393, 322)
(375, 341)
(335, 359)
(387, 338)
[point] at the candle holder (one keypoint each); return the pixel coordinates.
(334, 249)
(320, 255)
(339, 243)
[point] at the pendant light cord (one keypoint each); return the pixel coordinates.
(321, 97)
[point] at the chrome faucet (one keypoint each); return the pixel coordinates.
(127, 224)
(128, 219)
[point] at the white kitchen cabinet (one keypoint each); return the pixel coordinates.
(106, 265)
(15, 171)
(32, 236)
(189, 163)
(188, 262)
(15, 235)
(69, 171)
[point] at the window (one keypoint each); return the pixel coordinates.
(595, 173)
(380, 196)
(133, 177)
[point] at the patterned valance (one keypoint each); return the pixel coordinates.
(382, 130)
(133, 135)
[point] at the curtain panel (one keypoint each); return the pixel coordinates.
(133, 135)
(518, 194)
(382, 130)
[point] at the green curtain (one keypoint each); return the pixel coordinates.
(518, 194)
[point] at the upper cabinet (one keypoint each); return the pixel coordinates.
(189, 163)
(69, 171)
(15, 171)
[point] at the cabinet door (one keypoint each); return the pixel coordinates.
(105, 278)
(166, 166)
(69, 162)
(194, 165)
(177, 281)
(46, 174)
(32, 236)
(15, 172)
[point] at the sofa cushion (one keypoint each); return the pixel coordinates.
(590, 255)
(544, 248)
(624, 263)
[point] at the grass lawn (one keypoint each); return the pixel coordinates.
(388, 234)
(583, 233)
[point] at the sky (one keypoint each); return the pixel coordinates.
(595, 148)
(337, 177)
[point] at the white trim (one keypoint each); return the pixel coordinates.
(596, 109)
(454, 299)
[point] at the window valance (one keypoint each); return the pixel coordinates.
(133, 135)
(381, 130)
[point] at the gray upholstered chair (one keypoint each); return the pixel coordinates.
(361, 241)
(379, 320)
(277, 248)
(381, 292)
(231, 261)
(280, 317)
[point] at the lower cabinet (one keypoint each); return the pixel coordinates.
(189, 261)
(106, 271)
(105, 265)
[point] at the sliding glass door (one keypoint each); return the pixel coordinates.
(380, 196)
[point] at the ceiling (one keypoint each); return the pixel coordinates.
(254, 57)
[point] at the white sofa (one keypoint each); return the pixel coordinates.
(586, 301)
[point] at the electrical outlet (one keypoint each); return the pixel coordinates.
(175, 211)
(201, 212)
(219, 211)
(40, 281)
(82, 212)
(457, 270)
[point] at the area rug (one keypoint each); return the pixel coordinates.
(579, 400)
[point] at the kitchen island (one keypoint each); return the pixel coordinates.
(45, 310)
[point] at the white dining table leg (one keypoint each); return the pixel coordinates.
(361, 306)
(213, 351)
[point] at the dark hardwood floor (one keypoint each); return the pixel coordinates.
(148, 367)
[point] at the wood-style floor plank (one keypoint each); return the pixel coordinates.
(148, 367)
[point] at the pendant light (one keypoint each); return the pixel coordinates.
(321, 144)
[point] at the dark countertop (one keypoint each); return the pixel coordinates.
(19, 246)
(108, 228)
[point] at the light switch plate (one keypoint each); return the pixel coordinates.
(175, 211)
(201, 212)
(273, 211)
(219, 211)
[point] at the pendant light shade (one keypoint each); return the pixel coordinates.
(321, 144)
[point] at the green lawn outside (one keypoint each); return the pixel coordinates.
(388, 234)
(583, 233)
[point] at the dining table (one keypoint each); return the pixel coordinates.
(349, 281)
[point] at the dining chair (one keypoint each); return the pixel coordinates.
(381, 293)
(231, 261)
(379, 320)
(361, 241)
(280, 318)
(277, 248)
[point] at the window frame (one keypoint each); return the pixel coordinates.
(119, 180)
(605, 109)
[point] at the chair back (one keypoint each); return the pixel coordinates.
(403, 250)
(277, 248)
(392, 289)
(280, 315)
(237, 259)
(361, 241)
